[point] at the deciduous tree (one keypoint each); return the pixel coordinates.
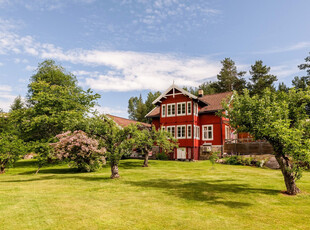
(281, 119)
(145, 139)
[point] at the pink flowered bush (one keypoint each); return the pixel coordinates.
(79, 150)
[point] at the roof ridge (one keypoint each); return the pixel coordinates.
(217, 93)
(128, 119)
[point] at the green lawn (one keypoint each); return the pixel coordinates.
(167, 195)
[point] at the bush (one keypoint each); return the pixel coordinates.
(238, 160)
(79, 150)
(162, 156)
(213, 157)
(10, 149)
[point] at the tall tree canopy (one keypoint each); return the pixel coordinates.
(260, 78)
(229, 78)
(137, 109)
(281, 119)
(304, 81)
(55, 102)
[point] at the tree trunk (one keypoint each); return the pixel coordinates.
(38, 170)
(146, 160)
(289, 177)
(2, 170)
(114, 171)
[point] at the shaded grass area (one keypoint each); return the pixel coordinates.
(167, 195)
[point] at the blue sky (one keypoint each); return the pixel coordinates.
(121, 48)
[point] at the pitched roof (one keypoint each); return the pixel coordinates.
(154, 112)
(173, 87)
(123, 122)
(215, 101)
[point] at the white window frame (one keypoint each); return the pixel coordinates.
(227, 132)
(181, 104)
(169, 129)
(189, 103)
(191, 131)
(170, 110)
(196, 109)
(183, 136)
(207, 138)
(162, 128)
(197, 132)
(163, 111)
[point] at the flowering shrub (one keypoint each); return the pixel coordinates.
(80, 150)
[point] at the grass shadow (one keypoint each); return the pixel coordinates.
(213, 192)
(128, 164)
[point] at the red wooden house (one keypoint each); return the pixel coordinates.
(192, 120)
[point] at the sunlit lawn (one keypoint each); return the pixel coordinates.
(167, 195)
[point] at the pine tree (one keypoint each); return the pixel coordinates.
(261, 79)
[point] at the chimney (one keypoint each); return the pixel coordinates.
(200, 92)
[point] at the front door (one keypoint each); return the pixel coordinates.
(181, 153)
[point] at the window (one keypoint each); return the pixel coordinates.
(207, 133)
(227, 132)
(189, 131)
(171, 129)
(181, 131)
(170, 110)
(196, 132)
(162, 128)
(196, 109)
(181, 108)
(189, 108)
(163, 110)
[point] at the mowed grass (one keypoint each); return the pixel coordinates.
(167, 195)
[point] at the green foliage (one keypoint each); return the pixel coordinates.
(137, 109)
(114, 139)
(239, 160)
(213, 157)
(162, 156)
(229, 78)
(279, 118)
(55, 103)
(207, 87)
(17, 104)
(144, 139)
(11, 147)
(260, 79)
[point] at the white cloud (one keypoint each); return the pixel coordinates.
(122, 112)
(6, 97)
(5, 88)
(297, 46)
(30, 68)
(125, 70)
(285, 70)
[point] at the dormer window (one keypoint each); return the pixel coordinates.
(181, 108)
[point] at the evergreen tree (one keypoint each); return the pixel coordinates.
(303, 82)
(137, 109)
(229, 78)
(17, 104)
(282, 87)
(261, 79)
